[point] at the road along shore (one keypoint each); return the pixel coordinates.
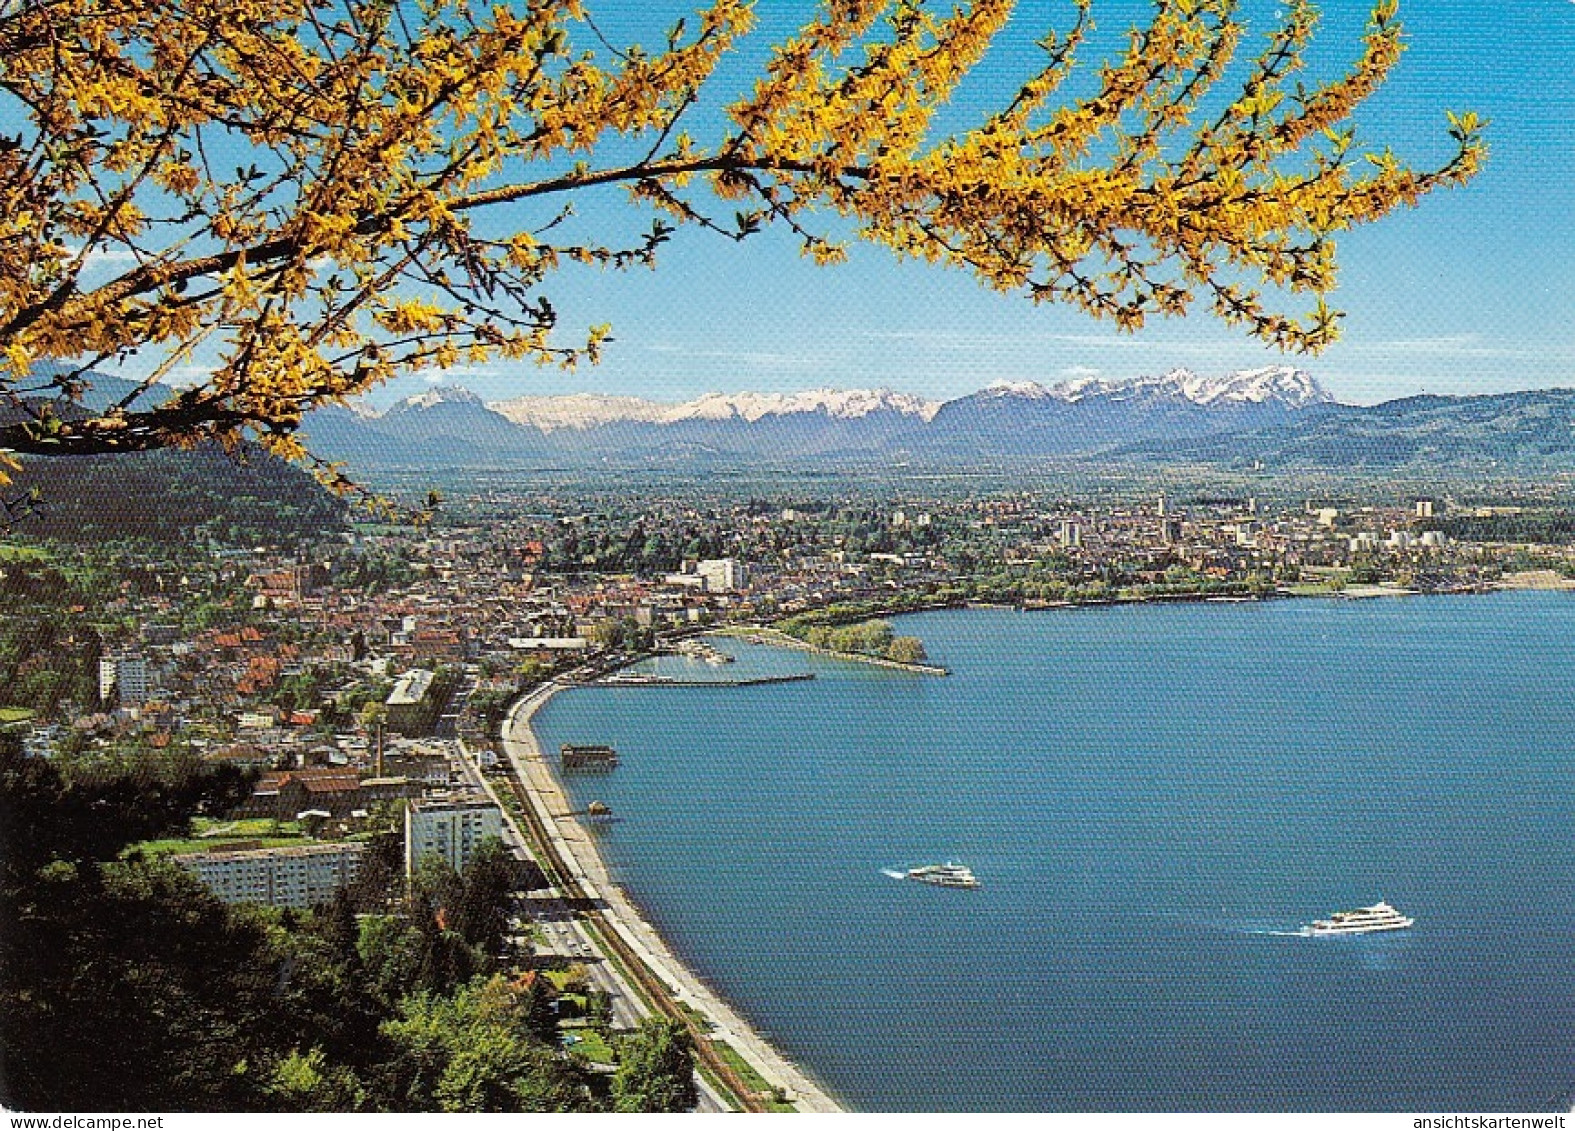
(582, 857)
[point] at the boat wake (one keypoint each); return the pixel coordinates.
(1259, 931)
(1256, 927)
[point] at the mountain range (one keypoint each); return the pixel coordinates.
(1272, 418)
(453, 427)
(1276, 418)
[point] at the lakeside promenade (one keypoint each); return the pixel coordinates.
(582, 856)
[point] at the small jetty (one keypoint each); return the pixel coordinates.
(642, 679)
(577, 757)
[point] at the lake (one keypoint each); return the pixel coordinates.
(1154, 800)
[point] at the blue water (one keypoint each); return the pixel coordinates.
(1146, 794)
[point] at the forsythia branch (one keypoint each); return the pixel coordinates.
(348, 247)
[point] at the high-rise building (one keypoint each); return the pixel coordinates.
(722, 575)
(449, 828)
(123, 678)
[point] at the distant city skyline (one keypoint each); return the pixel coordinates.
(1466, 293)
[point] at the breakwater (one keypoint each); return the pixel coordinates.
(649, 680)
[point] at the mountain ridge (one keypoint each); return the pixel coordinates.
(1269, 416)
(582, 411)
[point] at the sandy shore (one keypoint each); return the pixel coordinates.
(580, 853)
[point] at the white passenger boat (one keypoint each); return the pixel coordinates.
(1364, 920)
(946, 875)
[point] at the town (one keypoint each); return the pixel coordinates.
(361, 678)
(349, 668)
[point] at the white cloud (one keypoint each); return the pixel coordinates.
(761, 359)
(454, 372)
(1450, 346)
(1225, 352)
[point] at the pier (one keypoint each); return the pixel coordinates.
(643, 680)
(575, 757)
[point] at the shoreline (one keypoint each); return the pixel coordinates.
(727, 1025)
(580, 853)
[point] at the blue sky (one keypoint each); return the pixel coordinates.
(1468, 293)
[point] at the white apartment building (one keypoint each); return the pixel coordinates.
(722, 575)
(124, 677)
(449, 828)
(277, 877)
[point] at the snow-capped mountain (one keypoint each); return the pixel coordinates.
(1023, 419)
(450, 416)
(578, 411)
(1089, 413)
(438, 395)
(586, 410)
(1294, 388)
(1282, 384)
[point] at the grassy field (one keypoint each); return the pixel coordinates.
(696, 1016)
(752, 1079)
(209, 835)
(589, 1044)
(216, 844)
(15, 715)
(244, 829)
(558, 978)
(10, 552)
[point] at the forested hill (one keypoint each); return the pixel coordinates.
(1528, 432)
(173, 496)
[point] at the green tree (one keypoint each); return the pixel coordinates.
(310, 1083)
(656, 1068)
(481, 901)
(124, 985)
(474, 1052)
(906, 650)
